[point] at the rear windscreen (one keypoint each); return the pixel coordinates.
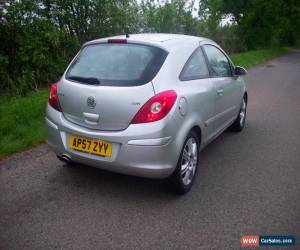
(116, 64)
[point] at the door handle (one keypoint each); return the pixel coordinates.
(220, 92)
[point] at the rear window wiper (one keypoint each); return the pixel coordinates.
(89, 80)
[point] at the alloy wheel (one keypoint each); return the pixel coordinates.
(189, 161)
(243, 113)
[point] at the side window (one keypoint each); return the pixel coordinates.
(217, 61)
(195, 67)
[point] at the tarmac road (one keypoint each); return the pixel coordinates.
(247, 184)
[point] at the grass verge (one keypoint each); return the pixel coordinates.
(22, 121)
(22, 118)
(251, 58)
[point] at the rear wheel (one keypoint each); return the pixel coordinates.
(239, 123)
(184, 175)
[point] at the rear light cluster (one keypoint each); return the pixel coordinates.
(53, 97)
(156, 108)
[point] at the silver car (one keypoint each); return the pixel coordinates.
(145, 105)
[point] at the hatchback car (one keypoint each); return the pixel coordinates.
(145, 105)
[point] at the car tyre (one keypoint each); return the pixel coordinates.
(240, 121)
(183, 178)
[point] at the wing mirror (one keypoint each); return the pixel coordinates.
(240, 71)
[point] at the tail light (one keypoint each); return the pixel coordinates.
(53, 97)
(156, 108)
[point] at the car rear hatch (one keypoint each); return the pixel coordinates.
(107, 83)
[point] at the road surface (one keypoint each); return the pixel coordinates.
(247, 184)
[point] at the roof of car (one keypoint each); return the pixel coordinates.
(161, 39)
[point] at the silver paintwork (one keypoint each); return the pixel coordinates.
(150, 149)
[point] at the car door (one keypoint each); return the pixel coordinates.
(227, 91)
(199, 91)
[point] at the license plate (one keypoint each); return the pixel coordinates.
(93, 146)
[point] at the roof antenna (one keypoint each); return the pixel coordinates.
(126, 29)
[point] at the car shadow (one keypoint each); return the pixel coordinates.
(85, 179)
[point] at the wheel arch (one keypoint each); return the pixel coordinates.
(198, 131)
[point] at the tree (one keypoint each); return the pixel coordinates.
(174, 16)
(261, 23)
(39, 37)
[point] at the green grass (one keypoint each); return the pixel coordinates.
(22, 121)
(251, 58)
(22, 118)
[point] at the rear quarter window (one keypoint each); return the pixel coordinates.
(116, 64)
(195, 67)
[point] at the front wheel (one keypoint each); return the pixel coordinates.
(184, 175)
(239, 123)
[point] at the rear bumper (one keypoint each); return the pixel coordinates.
(141, 150)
